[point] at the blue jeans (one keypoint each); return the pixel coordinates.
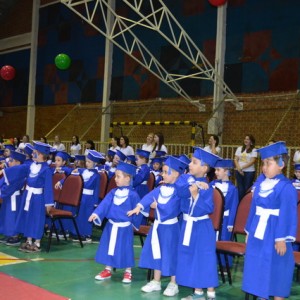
(244, 182)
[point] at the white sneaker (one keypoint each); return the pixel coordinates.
(171, 290)
(151, 287)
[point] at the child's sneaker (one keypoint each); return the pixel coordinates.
(211, 295)
(151, 286)
(3, 240)
(127, 278)
(105, 274)
(24, 246)
(13, 241)
(171, 290)
(34, 248)
(194, 297)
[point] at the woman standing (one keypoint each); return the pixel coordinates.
(114, 144)
(159, 143)
(124, 146)
(75, 147)
(245, 158)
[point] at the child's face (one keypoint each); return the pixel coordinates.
(59, 162)
(6, 152)
(297, 174)
(221, 173)
(271, 168)
(156, 166)
(121, 178)
(169, 178)
(139, 160)
(12, 162)
(79, 163)
(196, 169)
(89, 164)
(116, 159)
(37, 156)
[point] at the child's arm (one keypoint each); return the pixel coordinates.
(93, 217)
(134, 211)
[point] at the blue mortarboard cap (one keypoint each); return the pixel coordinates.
(159, 153)
(9, 146)
(95, 156)
(127, 168)
(176, 164)
(53, 150)
(42, 147)
(28, 149)
(275, 149)
(205, 156)
(224, 163)
(80, 157)
(18, 156)
(111, 152)
(142, 153)
(184, 158)
(121, 155)
(297, 167)
(159, 160)
(130, 158)
(64, 155)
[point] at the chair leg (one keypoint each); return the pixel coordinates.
(50, 236)
(142, 241)
(77, 232)
(62, 229)
(150, 274)
(228, 269)
(221, 267)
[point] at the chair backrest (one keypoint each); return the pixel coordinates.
(71, 191)
(55, 178)
(151, 182)
(103, 184)
(298, 224)
(242, 214)
(111, 184)
(217, 215)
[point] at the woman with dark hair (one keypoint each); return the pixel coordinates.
(89, 145)
(16, 142)
(114, 144)
(124, 146)
(212, 147)
(75, 147)
(159, 142)
(25, 140)
(44, 140)
(244, 161)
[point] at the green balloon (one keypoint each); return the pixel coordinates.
(62, 61)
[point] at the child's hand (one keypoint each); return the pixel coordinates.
(153, 205)
(134, 211)
(280, 247)
(92, 217)
(202, 185)
(75, 171)
(193, 190)
(230, 229)
(57, 185)
(48, 209)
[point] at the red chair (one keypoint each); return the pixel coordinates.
(103, 185)
(151, 182)
(235, 248)
(111, 184)
(70, 195)
(55, 178)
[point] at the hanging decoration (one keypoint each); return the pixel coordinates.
(62, 61)
(8, 72)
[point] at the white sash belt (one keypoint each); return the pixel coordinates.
(154, 239)
(189, 226)
(114, 234)
(264, 214)
(31, 190)
(144, 182)
(13, 200)
(226, 213)
(87, 192)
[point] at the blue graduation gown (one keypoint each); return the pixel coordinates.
(197, 262)
(31, 218)
(114, 207)
(168, 208)
(265, 272)
(140, 180)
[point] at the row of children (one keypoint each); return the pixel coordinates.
(182, 248)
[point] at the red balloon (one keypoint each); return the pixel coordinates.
(217, 2)
(8, 72)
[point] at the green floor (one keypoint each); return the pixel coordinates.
(69, 271)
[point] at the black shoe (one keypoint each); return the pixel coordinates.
(13, 241)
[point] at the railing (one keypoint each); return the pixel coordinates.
(227, 151)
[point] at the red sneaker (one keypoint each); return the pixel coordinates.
(127, 277)
(105, 274)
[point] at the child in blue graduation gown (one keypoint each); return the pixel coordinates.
(89, 198)
(116, 245)
(37, 195)
(11, 196)
(159, 251)
(296, 181)
(143, 172)
(156, 169)
(197, 263)
(231, 197)
(271, 227)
